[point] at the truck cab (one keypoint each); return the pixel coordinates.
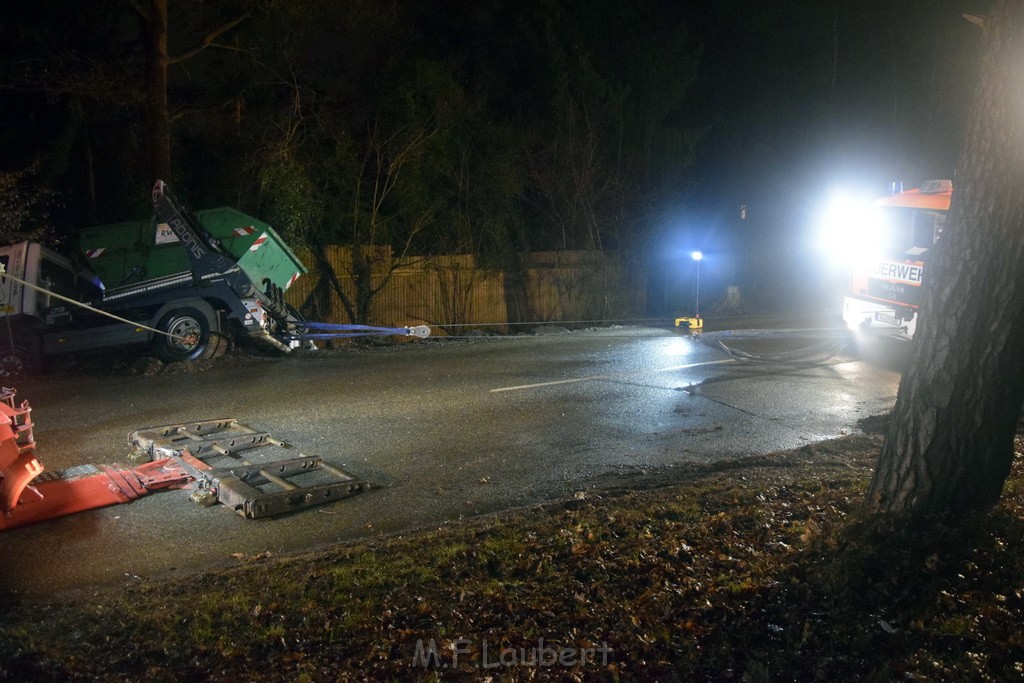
(40, 265)
(892, 252)
(26, 311)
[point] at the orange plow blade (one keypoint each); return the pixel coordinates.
(92, 486)
(29, 495)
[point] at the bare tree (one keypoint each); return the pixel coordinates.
(950, 444)
(351, 194)
(152, 16)
(379, 246)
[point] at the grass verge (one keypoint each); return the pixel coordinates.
(756, 573)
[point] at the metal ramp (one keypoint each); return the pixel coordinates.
(211, 453)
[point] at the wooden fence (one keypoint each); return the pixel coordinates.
(454, 290)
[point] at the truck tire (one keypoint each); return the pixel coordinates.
(218, 346)
(20, 354)
(18, 361)
(192, 335)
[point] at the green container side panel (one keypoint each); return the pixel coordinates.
(121, 253)
(127, 252)
(260, 258)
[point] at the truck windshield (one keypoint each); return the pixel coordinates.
(56, 278)
(906, 228)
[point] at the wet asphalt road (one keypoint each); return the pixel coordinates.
(443, 431)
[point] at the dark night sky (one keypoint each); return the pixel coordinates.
(790, 97)
(864, 93)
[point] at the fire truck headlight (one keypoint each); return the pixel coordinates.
(850, 231)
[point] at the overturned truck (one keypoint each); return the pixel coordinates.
(186, 284)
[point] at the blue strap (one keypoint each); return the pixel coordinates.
(338, 335)
(300, 331)
(360, 329)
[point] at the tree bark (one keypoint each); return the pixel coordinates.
(517, 295)
(950, 442)
(153, 34)
(323, 264)
(153, 30)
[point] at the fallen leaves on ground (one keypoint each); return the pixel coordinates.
(749, 572)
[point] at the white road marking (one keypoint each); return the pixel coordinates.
(593, 378)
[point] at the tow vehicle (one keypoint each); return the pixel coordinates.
(889, 253)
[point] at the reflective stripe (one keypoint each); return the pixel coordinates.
(259, 242)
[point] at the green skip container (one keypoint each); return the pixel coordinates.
(126, 253)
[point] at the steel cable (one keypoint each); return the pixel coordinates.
(87, 306)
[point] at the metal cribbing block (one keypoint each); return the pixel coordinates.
(199, 448)
(237, 487)
(193, 436)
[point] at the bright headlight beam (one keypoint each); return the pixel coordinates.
(850, 230)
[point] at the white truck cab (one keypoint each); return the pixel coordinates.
(39, 265)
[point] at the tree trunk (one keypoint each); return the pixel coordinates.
(153, 29)
(362, 279)
(950, 442)
(517, 295)
(323, 264)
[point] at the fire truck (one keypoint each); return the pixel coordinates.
(889, 260)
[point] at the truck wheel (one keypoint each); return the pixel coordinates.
(218, 346)
(18, 361)
(20, 355)
(191, 338)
